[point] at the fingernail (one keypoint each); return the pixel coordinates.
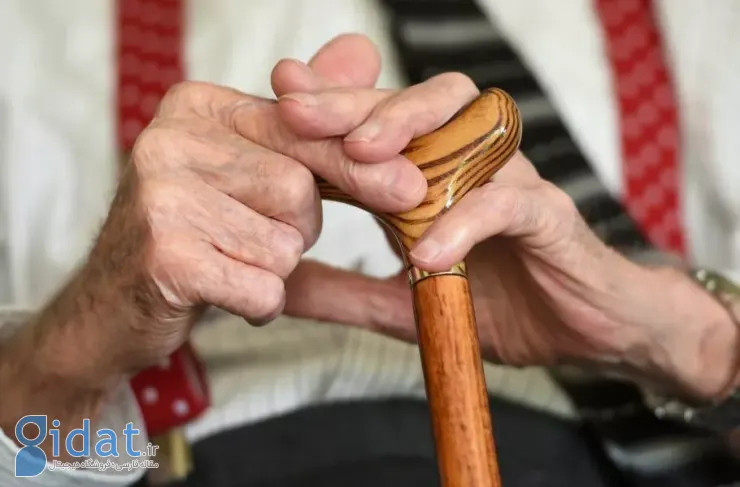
(303, 99)
(426, 251)
(364, 133)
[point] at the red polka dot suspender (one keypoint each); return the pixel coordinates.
(150, 60)
(648, 117)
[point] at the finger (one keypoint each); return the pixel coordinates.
(294, 75)
(540, 215)
(413, 112)
(392, 186)
(320, 292)
(243, 290)
(330, 113)
(346, 60)
(380, 123)
(246, 236)
(269, 183)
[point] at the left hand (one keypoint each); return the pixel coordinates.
(546, 289)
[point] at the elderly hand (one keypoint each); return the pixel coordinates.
(215, 208)
(218, 204)
(546, 289)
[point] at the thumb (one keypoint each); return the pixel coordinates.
(348, 60)
(320, 292)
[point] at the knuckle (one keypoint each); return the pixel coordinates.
(287, 246)
(232, 242)
(505, 199)
(348, 101)
(155, 146)
(544, 209)
(517, 206)
(271, 300)
(262, 169)
(293, 246)
(563, 208)
(149, 140)
(409, 113)
(188, 97)
(458, 84)
(237, 114)
(424, 116)
(184, 93)
(168, 207)
(352, 177)
(298, 189)
(349, 175)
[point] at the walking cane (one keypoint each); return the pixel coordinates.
(460, 156)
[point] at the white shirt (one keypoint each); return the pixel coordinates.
(58, 156)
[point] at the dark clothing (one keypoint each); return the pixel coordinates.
(389, 443)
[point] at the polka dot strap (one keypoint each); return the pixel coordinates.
(149, 54)
(648, 119)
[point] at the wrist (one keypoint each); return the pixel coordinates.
(78, 335)
(689, 342)
(32, 385)
(64, 359)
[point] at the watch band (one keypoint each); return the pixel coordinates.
(724, 416)
(720, 418)
(722, 288)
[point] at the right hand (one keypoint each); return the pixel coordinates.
(216, 207)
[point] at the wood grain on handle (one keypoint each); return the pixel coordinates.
(456, 158)
(459, 156)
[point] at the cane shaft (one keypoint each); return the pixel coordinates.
(455, 385)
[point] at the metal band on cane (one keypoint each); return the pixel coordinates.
(416, 274)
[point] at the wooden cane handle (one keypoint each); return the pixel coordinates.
(456, 158)
(459, 156)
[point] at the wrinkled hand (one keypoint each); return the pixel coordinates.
(546, 289)
(526, 279)
(219, 200)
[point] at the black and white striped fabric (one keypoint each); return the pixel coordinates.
(435, 36)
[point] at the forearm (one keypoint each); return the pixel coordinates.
(56, 364)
